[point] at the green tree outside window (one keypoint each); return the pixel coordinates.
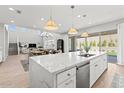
(94, 43)
(104, 44)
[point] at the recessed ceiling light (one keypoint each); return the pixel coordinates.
(42, 19)
(60, 24)
(11, 9)
(12, 21)
(78, 16)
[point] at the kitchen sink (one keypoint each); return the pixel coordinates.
(87, 55)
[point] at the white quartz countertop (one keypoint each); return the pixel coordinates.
(57, 62)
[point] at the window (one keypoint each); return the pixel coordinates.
(108, 43)
(12, 27)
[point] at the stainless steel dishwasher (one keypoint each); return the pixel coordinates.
(83, 76)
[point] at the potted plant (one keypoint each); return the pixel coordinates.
(86, 46)
(94, 43)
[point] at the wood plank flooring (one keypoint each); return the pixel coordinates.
(12, 74)
(105, 81)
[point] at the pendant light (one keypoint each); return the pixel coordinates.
(84, 34)
(51, 25)
(72, 30)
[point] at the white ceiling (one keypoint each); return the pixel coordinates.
(31, 15)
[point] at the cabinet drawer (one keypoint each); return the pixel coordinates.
(61, 77)
(95, 61)
(70, 83)
(92, 75)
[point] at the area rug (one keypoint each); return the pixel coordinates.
(118, 81)
(25, 65)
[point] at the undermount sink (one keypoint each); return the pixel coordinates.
(87, 55)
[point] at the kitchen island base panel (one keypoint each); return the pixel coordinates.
(39, 77)
(43, 76)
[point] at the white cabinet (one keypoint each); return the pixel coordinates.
(103, 62)
(67, 79)
(64, 78)
(70, 83)
(97, 67)
(41, 78)
(92, 75)
(0, 56)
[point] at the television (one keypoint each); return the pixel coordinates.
(32, 46)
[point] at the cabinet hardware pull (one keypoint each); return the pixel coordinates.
(69, 74)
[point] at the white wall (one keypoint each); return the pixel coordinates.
(33, 36)
(102, 27)
(6, 42)
(3, 41)
(25, 36)
(66, 42)
(120, 56)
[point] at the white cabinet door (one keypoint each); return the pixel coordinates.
(63, 76)
(70, 83)
(105, 64)
(94, 72)
(92, 75)
(67, 79)
(97, 67)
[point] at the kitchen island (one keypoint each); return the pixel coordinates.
(60, 70)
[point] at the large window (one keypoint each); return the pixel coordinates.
(79, 43)
(93, 41)
(107, 43)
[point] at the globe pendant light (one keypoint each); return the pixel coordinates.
(51, 25)
(72, 30)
